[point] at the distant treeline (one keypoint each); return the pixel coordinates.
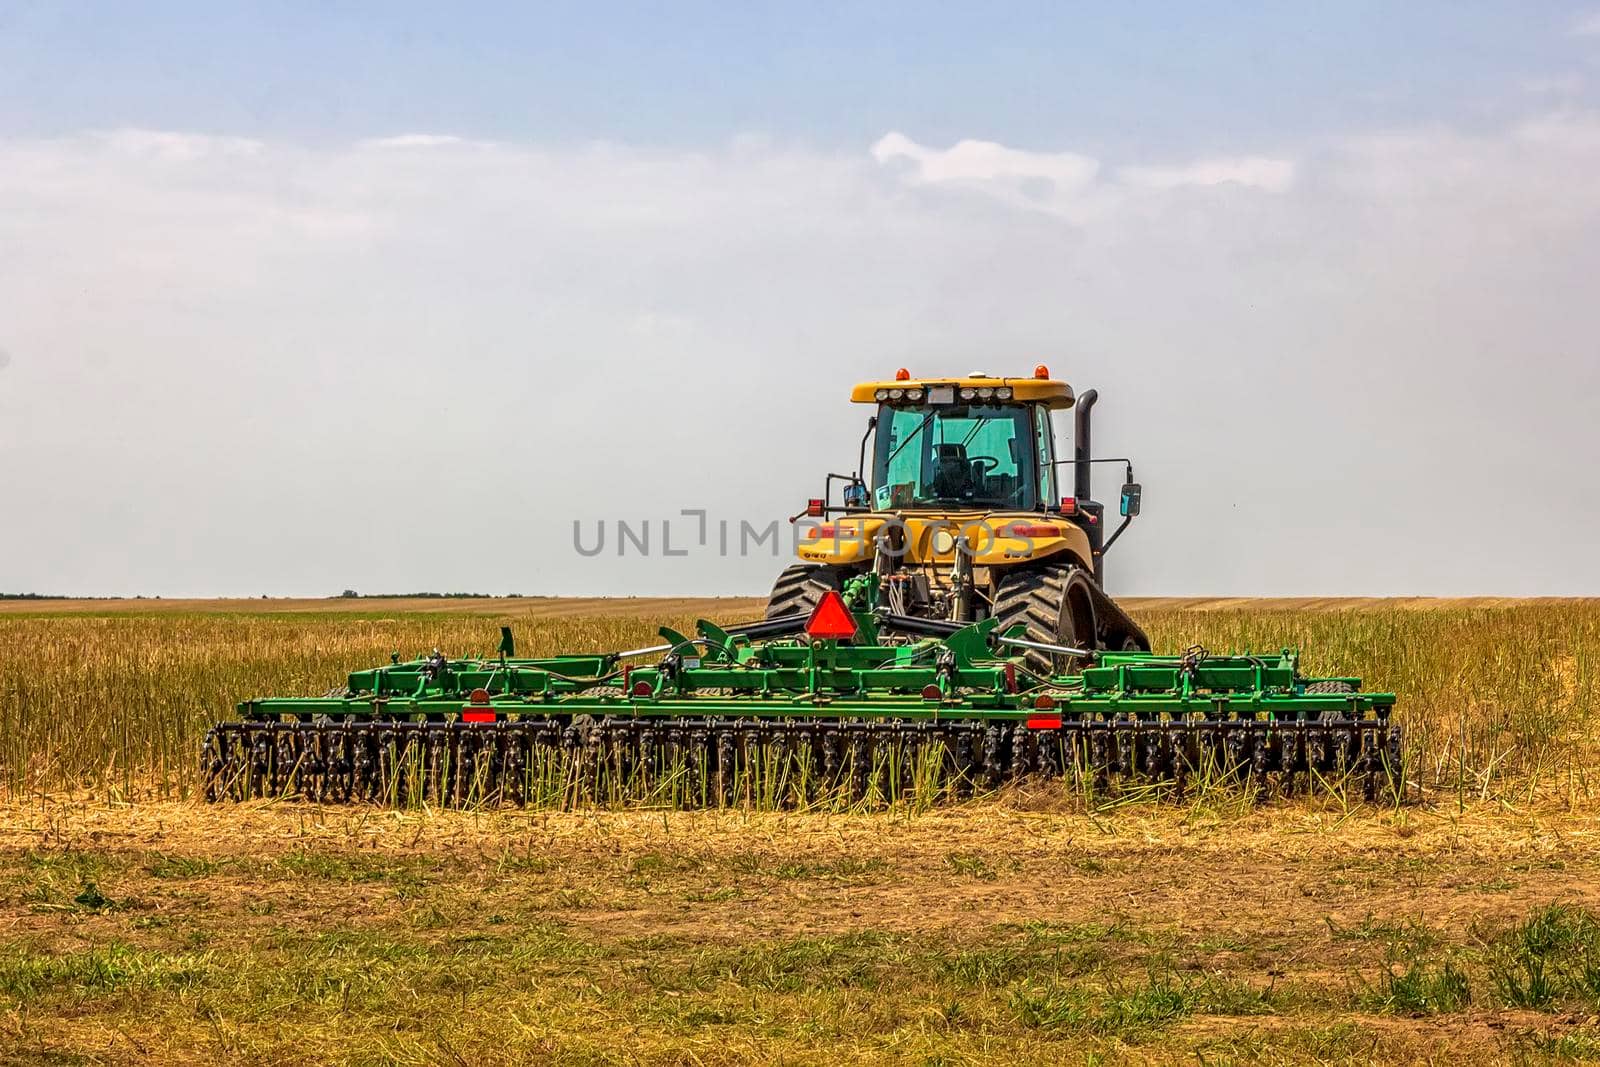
(351, 594)
(33, 596)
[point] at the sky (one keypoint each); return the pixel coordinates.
(303, 297)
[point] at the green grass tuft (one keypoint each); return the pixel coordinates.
(1127, 1012)
(100, 971)
(1550, 959)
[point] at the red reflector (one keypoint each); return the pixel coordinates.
(642, 689)
(1023, 529)
(902, 375)
(477, 716)
(814, 507)
(479, 696)
(931, 692)
(1044, 702)
(831, 620)
(820, 533)
(1069, 505)
(1041, 371)
(1044, 722)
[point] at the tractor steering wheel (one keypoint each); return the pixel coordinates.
(979, 461)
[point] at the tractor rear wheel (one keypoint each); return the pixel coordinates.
(800, 586)
(1330, 687)
(1057, 604)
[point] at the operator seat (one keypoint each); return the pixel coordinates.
(953, 477)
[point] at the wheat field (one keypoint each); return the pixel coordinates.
(1495, 697)
(140, 925)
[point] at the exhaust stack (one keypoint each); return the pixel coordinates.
(1081, 446)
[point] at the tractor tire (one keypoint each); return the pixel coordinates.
(800, 586)
(1330, 687)
(1057, 604)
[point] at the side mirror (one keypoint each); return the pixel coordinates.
(1130, 498)
(855, 495)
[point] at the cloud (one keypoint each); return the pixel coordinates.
(1519, 184)
(1587, 25)
(1554, 85)
(985, 161)
(1252, 172)
(1067, 184)
(412, 140)
(178, 147)
(1311, 350)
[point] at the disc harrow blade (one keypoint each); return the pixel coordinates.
(710, 762)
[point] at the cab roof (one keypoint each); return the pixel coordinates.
(1051, 392)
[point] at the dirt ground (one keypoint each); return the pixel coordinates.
(1162, 934)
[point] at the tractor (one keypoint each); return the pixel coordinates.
(963, 517)
(945, 632)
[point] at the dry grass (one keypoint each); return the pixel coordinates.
(120, 702)
(1019, 929)
(1496, 697)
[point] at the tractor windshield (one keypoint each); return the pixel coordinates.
(979, 455)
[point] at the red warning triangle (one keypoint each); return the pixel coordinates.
(831, 620)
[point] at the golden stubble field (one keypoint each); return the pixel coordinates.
(137, 925)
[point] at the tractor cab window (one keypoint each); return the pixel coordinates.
(1044, 434)
(980, 455)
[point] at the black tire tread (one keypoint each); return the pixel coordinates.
(1330, 687)
(1034, 596)
(800, 586)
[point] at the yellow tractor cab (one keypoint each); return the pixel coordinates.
(974, 442)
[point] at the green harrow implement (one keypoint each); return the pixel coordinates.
(878, 708)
